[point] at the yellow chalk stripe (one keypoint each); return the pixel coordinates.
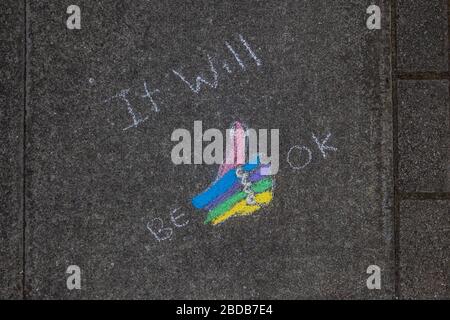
(242, 208)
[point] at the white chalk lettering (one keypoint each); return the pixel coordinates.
(160, 233)
(250, 51)
(149, 94)
(175, 219)
(136, 116)
(235, 55)
(300, 148)
(200, 79)
(322, 145)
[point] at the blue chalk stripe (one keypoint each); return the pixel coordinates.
(220, 186)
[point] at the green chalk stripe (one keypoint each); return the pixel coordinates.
(258, 187)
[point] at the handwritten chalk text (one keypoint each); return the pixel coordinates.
(305, 154)
(161, 232)
(154, 97)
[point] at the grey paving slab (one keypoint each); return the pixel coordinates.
(11, 129)
(425, 249)
(95, 187)
(424, 136)
(422, 35)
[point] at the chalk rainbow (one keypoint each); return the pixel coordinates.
(239, 189)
